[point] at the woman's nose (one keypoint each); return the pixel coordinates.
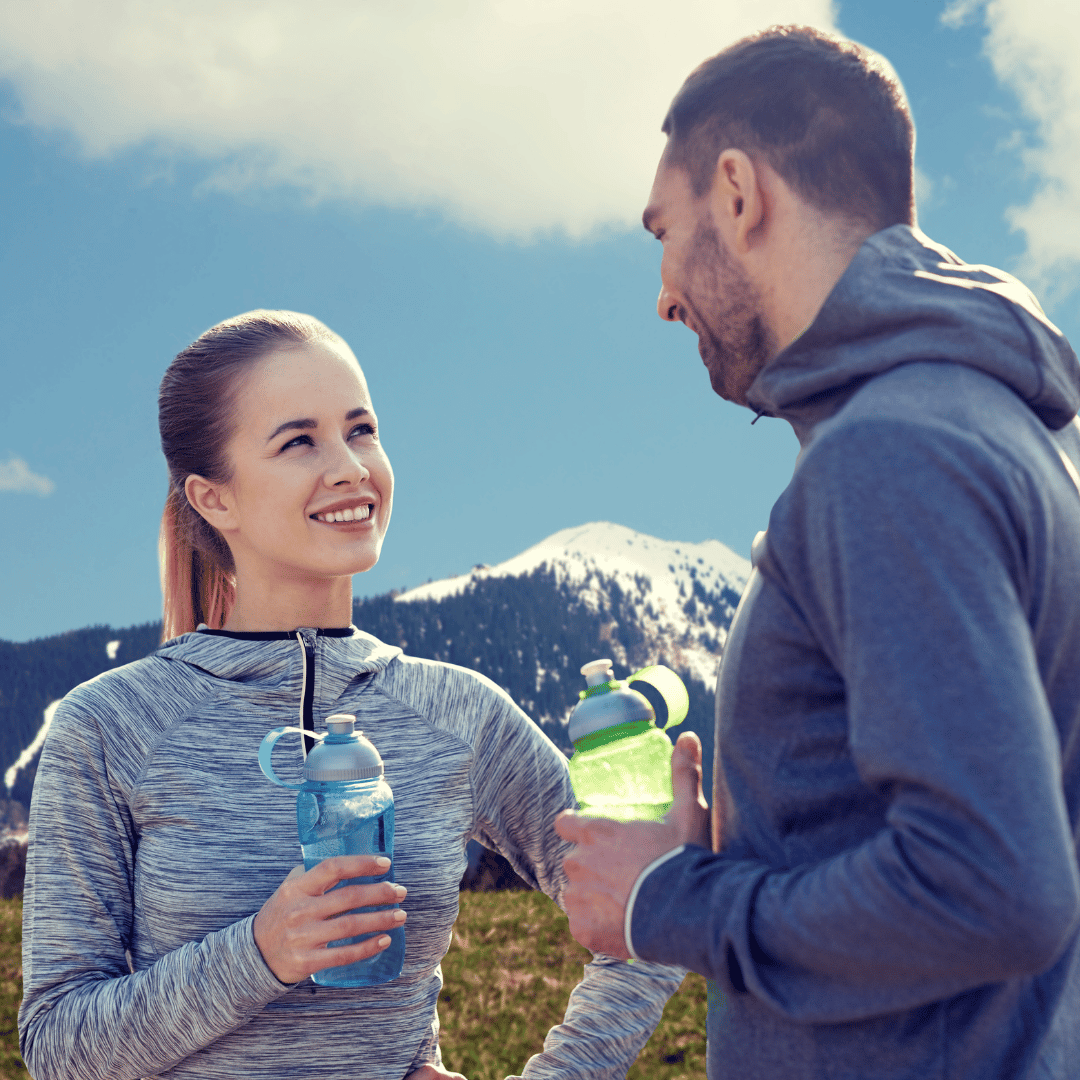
(347, 467)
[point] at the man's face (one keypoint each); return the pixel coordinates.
(703, 286)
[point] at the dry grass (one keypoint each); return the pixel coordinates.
(509, 972)
(11, 1064)
(508, 975)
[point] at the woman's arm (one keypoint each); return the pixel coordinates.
(521, 782)
(84, 1014)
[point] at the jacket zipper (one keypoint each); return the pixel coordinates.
(307, 689)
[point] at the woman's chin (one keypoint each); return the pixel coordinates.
(365, 563)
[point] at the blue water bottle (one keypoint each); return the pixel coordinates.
(345, 807)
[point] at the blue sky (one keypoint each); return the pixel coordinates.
(467, 224)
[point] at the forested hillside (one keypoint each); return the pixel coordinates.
(527, 633)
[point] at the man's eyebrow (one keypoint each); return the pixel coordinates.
(307, 423)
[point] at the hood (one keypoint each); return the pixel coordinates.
(906, 298)
(274, 661)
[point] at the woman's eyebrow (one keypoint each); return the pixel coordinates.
(307, 422)
(290, 424)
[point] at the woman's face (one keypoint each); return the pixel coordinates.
(306, 452)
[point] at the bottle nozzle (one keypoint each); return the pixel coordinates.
(597, 672)
(341, 724)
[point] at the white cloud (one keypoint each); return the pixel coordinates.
(1033, 46)
(957, 12)
(15, 475)
(510, 116)
(924, 189)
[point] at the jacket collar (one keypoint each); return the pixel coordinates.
(274, 661)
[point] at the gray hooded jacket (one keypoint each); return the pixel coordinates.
(898, 710)
(154, 836)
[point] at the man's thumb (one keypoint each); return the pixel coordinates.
(690, 812)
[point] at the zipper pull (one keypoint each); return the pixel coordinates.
(306, 636)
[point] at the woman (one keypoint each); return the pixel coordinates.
(166, 930)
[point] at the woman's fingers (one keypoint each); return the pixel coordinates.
(329, 872)
(307, 912)
(433, 1072)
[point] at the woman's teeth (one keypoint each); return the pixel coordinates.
(360, 513)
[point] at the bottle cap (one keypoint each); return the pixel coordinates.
(606, 702)
(344, 754)
(597, 672)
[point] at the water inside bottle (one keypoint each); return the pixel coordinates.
(349, 826)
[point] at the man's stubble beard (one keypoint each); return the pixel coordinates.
(733, 341)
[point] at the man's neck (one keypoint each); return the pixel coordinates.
(805, 270)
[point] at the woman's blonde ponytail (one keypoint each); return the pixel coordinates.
(197, 583)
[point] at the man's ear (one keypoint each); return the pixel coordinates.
(736, 200)
(211, 502)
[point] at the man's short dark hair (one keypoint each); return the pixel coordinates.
(824, 113)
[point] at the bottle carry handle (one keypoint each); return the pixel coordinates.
(266, 750)
(669, 686)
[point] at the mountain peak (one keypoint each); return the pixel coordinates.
(682, 594)
(608, 545)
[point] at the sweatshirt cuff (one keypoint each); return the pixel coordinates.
(628, 920)
(254, 979)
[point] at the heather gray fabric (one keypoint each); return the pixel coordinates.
(153, 830)
(898, 709)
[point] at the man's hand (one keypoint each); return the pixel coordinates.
(610, 855)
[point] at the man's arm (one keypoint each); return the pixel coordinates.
(911, 563)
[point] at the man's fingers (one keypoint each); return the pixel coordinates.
(580, 828)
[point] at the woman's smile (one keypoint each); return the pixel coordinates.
(349, 513)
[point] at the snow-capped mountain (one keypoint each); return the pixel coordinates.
(679, 596)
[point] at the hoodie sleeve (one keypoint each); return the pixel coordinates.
(84, 1014)
(521, 782)
(917, 560)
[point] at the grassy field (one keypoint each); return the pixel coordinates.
(490, 1026)
(11, 1064)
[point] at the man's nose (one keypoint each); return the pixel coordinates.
(666, 306)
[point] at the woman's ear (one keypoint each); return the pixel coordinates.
(211, 502)
(736, 200)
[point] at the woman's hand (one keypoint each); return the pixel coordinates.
(294, 925)
(432, 1072)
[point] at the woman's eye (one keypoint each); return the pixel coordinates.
(297, 441)
(362, 429)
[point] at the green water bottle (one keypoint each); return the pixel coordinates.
(621, 767)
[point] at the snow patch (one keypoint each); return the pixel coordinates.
(31, 751)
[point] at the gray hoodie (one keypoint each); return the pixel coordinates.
(898, 710)
(155, 838)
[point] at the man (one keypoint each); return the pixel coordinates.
(892, 888)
